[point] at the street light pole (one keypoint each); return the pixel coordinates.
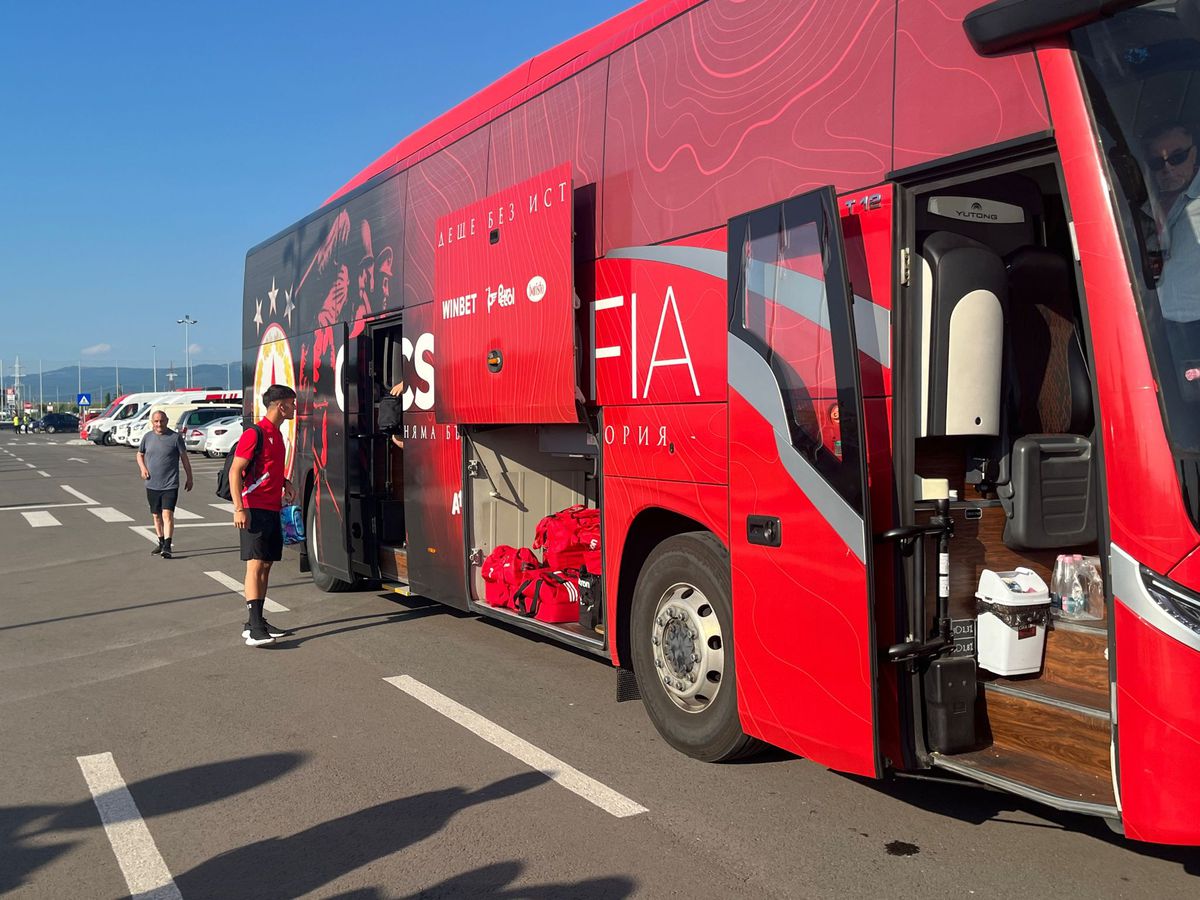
(186, 322)
(154, 349)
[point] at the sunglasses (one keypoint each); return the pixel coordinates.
(1177, 158)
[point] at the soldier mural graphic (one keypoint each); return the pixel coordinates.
(325, 278)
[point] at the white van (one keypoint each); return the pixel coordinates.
(217, 403)
(101, 430)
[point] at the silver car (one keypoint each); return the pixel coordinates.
(195, 439)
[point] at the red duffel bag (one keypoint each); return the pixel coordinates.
(504, 570)
(570, 538)
(547, 596)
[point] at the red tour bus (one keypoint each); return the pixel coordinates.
(862, 330)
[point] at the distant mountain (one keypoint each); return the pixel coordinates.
(60, 385)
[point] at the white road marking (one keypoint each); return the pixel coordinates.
(108, 514)
(43, 474)
(84, 497)
(567, 776)
(224, 507)
(237, 587)
(41, 519)
(18, 459)
(40, 506)
(30, 466)
(147, 531)
(142, 865)
(182, 514)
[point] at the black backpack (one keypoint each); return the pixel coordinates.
(223, 490)
(391, 414)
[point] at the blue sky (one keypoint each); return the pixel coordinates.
(145, 147)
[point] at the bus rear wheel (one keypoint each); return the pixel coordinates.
(681, 641)
(323, 579)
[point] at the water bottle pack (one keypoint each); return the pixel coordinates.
(1076, 587)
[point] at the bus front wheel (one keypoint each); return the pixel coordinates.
(681, 640)
(323, 579)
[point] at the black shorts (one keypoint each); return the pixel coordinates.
(160, 500)
(262, 538)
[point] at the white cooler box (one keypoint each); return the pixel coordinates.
(1011, 631)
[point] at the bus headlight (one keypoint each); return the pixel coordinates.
(1176, 601)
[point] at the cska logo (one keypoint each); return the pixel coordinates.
(418, 357)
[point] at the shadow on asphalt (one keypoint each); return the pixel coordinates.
(975, 805)
(299, 863)
(114, 609)
(52, 826)
(492, 883)
(353, 623)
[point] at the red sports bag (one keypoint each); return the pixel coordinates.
(570, 538)
(504, 570)
(548, 597)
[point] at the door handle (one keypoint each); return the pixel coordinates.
(767, 531)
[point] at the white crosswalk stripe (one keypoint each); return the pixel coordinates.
(182, 514)
(236, 586)
(40, 519)
(108, 514)
(224, 507)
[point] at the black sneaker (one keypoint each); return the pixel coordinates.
(157, 550)
(269, 628)
(166, 553)
(256, 638)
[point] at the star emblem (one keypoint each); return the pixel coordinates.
(258, 319)
(273, 293)
(288, 306)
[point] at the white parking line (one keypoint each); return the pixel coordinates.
(108, 514)
(236, 586)
(142, 865)
(181, 514)
(41, 519)
(43, 474)
(30, 466)
(553, 768)
(84, 497)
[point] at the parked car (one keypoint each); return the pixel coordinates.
(124, 432)
(196, 439)
(55, 422)
(223, 438)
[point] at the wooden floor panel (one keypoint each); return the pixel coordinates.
(1072, 741)
(393, 563)
(1017, 764)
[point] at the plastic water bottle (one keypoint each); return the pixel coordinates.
(1074, 596)
(1060, 582)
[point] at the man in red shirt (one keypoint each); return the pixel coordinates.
(259, 486)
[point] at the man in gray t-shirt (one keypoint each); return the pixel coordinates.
(158, 458)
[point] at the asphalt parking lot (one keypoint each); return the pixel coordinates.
(395, 748)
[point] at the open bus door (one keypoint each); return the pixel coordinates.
(799, 516)
(337, 523)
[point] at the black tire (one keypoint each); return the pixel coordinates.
(324, 580)
(49, 429)
(701, 718)
(107, 440)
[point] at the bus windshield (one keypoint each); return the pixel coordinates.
(1142, 72)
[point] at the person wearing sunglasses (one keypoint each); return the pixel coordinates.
(1173, 160)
